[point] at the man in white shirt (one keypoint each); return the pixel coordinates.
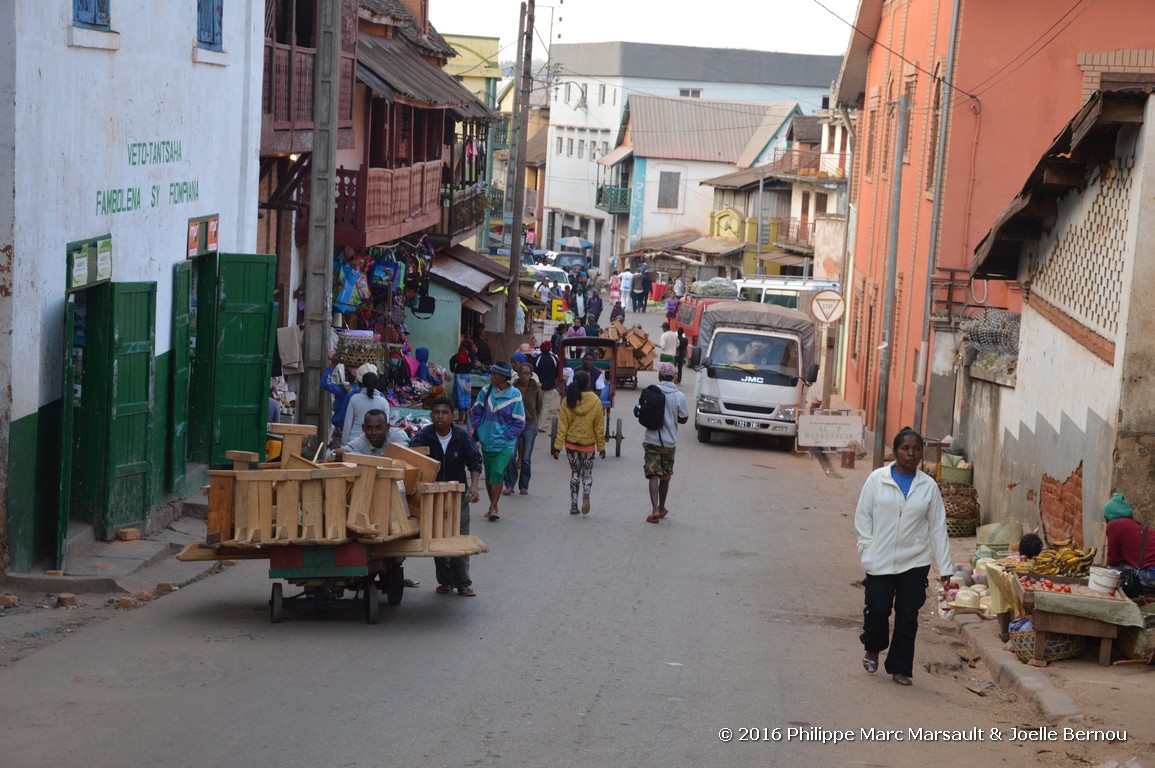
(627, 285)
(668, 344)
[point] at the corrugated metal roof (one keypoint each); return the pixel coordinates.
(478, 261)
(775, 123)
(688, 63)
(747, 177)
(698, 129)
(715, 246)
(851, 82)
(615, 156)
(403, 69)
(460, 277)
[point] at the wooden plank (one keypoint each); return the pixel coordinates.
(362, 460)
(328, 473)
(196, 552)
(245, 511)
(454, 504)
(306, 430)
(428, 467)
(360, 499)
(335, 508)
(222, 490)
(242, 459)
(438, 513)
(295, 461)
(264, 498)
(400, 520)
(312, 517)
(379, 504)
(454, 546)
(288, 510)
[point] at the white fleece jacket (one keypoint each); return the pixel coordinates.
(896, 534)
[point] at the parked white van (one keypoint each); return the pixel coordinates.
(783, 291)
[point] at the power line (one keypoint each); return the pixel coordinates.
(902, 58)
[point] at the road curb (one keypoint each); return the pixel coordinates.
(1030, 682)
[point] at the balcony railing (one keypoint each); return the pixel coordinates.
(613, 199)
(501, 135)
(809, 162)
(377, 205)
(462, 211)
(797, 234)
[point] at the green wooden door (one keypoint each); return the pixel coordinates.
(244, 330)
(181, 368)
(66, 432)
(131, 384)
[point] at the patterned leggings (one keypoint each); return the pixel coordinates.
(581, 464)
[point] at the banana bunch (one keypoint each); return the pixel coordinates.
(1064, 559)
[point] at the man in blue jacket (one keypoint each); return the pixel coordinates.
(498, 419)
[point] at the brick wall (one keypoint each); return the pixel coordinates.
(1061, 507)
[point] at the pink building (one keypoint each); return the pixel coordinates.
(976, 124)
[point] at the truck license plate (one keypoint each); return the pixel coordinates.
(745, 424)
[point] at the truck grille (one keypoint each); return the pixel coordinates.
(767, 411)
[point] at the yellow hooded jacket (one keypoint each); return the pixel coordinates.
(582, 425)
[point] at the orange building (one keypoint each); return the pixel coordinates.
(989, 85)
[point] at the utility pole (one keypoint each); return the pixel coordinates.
(526, 88)
(319, 260)
(891, 274)
(514, 133)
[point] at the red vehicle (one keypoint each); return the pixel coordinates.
(689, 314)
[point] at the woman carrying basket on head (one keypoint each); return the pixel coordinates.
(901, 523)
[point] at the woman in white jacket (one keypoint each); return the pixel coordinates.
(901, 522)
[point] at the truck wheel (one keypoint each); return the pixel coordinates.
(277, 603)
(704, 434)
(372, 602)
(618, 436)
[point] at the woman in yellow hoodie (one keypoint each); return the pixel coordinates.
(580, 428)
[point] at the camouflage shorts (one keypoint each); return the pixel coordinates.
(658, 461)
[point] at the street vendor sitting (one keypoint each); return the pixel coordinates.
(376, 434)
(1125, 541)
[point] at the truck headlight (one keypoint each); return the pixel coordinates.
(708, 404)
(786, 414)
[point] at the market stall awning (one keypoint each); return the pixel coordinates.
(615, 156)
(715, 246)
(457, 275)
(478, 304)
(394, 64)
(784, 258)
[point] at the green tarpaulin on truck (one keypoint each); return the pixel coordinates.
(762, 317)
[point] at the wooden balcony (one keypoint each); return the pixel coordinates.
(795, 235)
(379, 205)
(287, 99)
(613, 199)
(809, 162)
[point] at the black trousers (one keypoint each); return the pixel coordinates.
(905, 593)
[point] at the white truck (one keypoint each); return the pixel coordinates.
(754, 363)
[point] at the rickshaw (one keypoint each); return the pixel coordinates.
(606, 359)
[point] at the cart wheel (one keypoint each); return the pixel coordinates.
(372, 602)
(704, 434)
(618, 436)
(277, 603)
(553, 432)
(394, 584)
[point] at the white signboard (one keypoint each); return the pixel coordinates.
(827, 306)
(832, 431)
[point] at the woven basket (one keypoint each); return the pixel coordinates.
(355, 351)
(961, 501)
(961, 526)
(1059, 646)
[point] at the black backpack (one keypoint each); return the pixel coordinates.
(651, 407)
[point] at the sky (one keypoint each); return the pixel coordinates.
(794, 26)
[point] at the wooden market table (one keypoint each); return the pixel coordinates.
(1047, 619)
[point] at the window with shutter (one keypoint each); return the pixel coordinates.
(668, 184)
(91, 13)
(209, 23)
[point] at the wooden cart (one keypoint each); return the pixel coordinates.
(607, 360)
(333, 528)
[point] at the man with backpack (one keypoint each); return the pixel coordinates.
(660, 409)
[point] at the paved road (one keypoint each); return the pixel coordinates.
(594, 641)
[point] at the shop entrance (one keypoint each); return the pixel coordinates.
(109, 335)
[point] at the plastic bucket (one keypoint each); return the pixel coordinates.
(1103, 579)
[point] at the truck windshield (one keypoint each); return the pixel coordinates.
(755, 352)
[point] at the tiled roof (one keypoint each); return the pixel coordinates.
(396, 65)
(536, 148)
(807, 129)
(406, 27)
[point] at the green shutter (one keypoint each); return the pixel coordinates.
(130, 406)
(242, 353)
(178, 414)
